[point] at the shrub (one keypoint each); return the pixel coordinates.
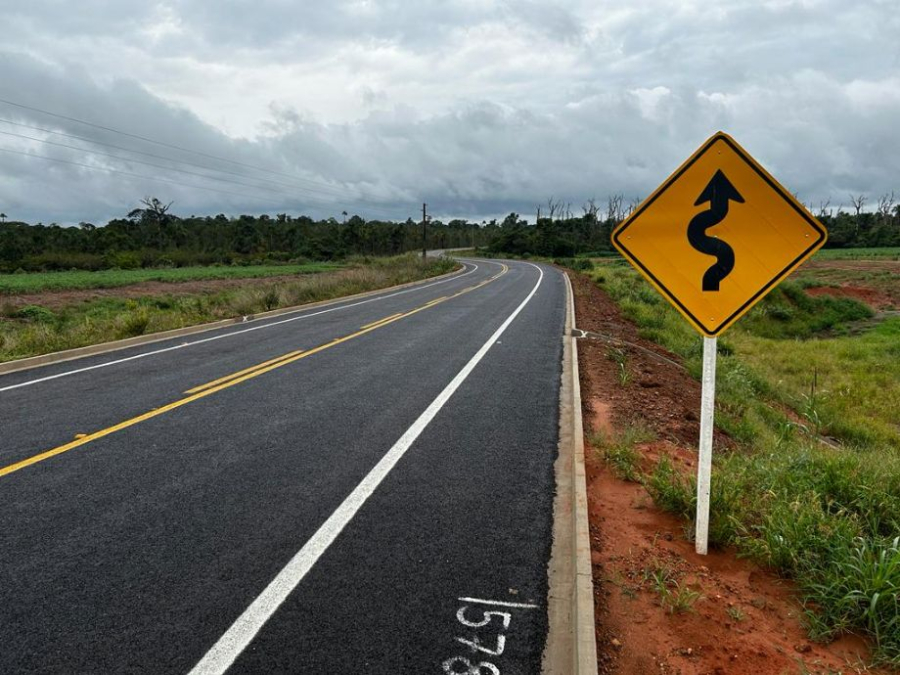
(134, 323)
(35, 313)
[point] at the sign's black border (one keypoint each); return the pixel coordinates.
(765, 289)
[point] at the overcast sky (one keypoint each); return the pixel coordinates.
(475, 106)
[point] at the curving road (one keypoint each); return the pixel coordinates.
(363, 487)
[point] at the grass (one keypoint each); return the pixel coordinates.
(35, 282)
(620, 450)
(674, 596)
(34, 330)
(678, 599)
(827, 518)
(736, 614)
(887, 252)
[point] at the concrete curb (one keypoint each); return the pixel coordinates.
(571, 644)
(105, 347)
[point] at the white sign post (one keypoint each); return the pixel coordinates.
(704, 458)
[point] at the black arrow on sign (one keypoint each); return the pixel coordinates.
(718, 192)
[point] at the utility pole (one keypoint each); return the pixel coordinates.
(424, 233)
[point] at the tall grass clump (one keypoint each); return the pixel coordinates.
(829, 520)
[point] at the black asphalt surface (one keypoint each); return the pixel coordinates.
(136, 552)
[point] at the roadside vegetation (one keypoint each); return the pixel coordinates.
(811, 488)
(34, 329)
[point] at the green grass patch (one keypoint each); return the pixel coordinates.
(826, 519)
(620, 450)
(35, 282)
(34, 330)
(885, 253)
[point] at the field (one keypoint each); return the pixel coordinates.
(36, 282)
(806, 480)
(63, 319)
(888, 253)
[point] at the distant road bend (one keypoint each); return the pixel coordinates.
(362, 487)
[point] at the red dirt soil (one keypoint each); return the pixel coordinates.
(869, 296)
(746, 620)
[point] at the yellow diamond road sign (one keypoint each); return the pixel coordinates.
(718, 235)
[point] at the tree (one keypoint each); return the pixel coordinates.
(2, 217)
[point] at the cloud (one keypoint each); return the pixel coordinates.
(475, 107)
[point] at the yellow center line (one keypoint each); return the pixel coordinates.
(435, 301)
(226, 378)
(228, 381)
(375, 323)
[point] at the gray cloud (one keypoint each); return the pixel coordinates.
(476, 107)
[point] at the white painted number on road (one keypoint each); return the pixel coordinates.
(450, 666)
(476, 646)
(460, 665)
(460, 615)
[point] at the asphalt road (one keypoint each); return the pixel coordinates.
(379, 500)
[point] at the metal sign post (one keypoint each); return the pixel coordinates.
(704, 458)
(714, 239)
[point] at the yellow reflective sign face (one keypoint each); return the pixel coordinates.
(718, 235)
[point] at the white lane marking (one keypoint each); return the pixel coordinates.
(228, 647)
(230, 334)
(499, 603)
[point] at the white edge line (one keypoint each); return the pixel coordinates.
(106, 364)
(233, 642)
(499, 603)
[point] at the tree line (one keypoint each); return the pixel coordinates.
(153, 236)
(561, 233)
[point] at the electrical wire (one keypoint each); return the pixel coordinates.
(165, 168)
(151, 178)
(136, 161)
(127, 173)
(335, 192)
(163, 143)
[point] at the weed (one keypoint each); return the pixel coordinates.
(620, 450)
(620, 358)
(271, 298)
(133, 324)
(676, 598)
(736, 614)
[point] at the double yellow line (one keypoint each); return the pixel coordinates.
(217, 385)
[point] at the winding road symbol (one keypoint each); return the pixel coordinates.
(718, 193)
(714, 256)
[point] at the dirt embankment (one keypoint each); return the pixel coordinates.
(741, 619)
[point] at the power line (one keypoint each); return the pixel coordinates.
(335, 193)
(162, 143)
(127, 173)
(153, 178)
(136, 161)
(165, 168)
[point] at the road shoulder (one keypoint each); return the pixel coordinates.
(571, 645)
